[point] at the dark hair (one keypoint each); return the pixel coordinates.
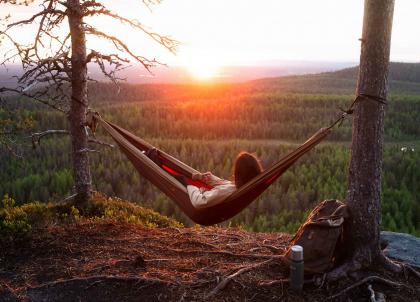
(245, 168)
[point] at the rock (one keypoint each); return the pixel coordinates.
(402, 247)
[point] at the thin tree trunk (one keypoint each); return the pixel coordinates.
(79, 104)
(364, 181)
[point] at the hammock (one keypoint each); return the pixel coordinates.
(134, 148)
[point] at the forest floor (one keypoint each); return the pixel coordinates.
(109, 261)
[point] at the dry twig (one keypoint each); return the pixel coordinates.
(273, 282)
(367, 279)
(372, 293)
(36, 137)
(96, 141)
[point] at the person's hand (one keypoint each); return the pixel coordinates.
(197, 176)
(206, 177)
(202, 176)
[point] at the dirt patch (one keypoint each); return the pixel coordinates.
(102, 288)
(104, 261)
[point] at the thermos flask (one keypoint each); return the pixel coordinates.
(296, 268)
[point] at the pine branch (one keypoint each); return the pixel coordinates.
(35, 97)
(36, 137)
(121, 46)
(167, 42)
(43, 13)
(95, 141)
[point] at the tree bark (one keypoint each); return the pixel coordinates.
(79, 104)
(364, 180)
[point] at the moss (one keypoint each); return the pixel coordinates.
(117, 209)
(13, 220)
(18, 221)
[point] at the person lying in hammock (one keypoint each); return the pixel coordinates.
(245, 168)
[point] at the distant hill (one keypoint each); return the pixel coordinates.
(405, 72)
(404, 79)
(181, 75)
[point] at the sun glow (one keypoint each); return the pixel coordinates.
(203, 71)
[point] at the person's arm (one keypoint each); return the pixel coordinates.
(210, 179)
(204, 199)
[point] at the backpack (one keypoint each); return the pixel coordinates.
(321, 236)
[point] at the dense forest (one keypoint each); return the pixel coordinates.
(207, 125)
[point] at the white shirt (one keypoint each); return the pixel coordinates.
(203, 198)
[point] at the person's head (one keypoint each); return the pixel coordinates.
(245, 168)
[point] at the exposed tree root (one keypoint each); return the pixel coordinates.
(344, 270)
(110, 261)
(389, 265)
(412, 270)
(230, 277)
(372, 293)
(355, 265)
(273, 282)
(226, 253)
(270, 247)
(368, 279)
(376, 297)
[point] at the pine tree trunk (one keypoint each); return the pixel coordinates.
(364, 181)
(79, 104)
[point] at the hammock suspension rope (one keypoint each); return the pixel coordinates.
(163, 176)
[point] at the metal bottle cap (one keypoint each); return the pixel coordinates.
(297, 253)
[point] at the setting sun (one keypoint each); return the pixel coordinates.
(202, 70)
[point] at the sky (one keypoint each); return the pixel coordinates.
(249, 31)
(214, 33)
